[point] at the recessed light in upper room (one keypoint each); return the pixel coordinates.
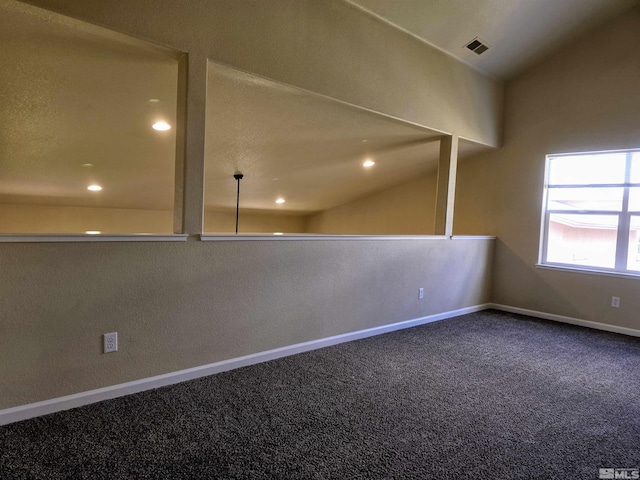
(93, 232)
(87, 165)
(154, 100)
(368, 163)
(161, 126)
(278, 233)
(94, 188)
(280, 200)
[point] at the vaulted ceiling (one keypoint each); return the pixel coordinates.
(78, 103)
(304, 148)
(518, 32)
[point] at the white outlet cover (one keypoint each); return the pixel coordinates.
(110, 342)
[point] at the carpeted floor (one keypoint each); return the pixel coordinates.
(489, 395)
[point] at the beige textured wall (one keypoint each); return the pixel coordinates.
(53, 219)
(57, 219)
(407, 209)
(179, 305)
(583, 99)
(225, 222)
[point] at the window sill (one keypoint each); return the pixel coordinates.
(61, 238)
(211, 237)
(588, 271)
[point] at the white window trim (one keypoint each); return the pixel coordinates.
(624, 216)
(586, 270)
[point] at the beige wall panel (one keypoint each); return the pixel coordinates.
(407, 209)
(583, 99)
(52, 219)
(181, 305)
(326, 46)
(225, 222)
(475, 202)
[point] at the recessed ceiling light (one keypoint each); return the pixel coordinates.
(93, 232)
(365, 141)
(368, 163)
(87, 165)
(161, 126)
(94, 188)
(280, 200)
(277, 233)
(154, 100)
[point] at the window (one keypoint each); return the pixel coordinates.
(591, 211)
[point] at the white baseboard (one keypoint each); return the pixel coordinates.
(573, 321)
(53, 405)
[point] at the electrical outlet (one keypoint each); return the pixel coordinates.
(421, 293)
(110, 342)
(615, 302)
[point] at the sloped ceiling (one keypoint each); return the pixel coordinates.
(302, 147)
(519, 32)
(78, 103)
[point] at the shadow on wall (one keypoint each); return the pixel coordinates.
(517, 282)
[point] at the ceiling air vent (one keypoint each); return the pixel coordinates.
(478, 46)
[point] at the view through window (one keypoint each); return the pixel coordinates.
(591, 215)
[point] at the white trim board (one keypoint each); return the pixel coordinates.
(82, 237)
(243, 237)
(59, 404)
(571, 320)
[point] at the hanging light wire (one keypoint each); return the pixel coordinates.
(238, 176)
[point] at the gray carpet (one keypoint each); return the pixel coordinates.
(484, 396)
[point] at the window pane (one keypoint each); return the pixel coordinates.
(633, 258)
(635, 167)
(585, 199)
(588, 240)
(634, 199)
(587, 169)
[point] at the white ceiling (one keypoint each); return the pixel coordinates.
(519, 32)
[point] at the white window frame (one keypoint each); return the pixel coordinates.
(624, 217)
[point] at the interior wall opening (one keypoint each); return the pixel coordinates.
(312, 164)
(88, 139)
